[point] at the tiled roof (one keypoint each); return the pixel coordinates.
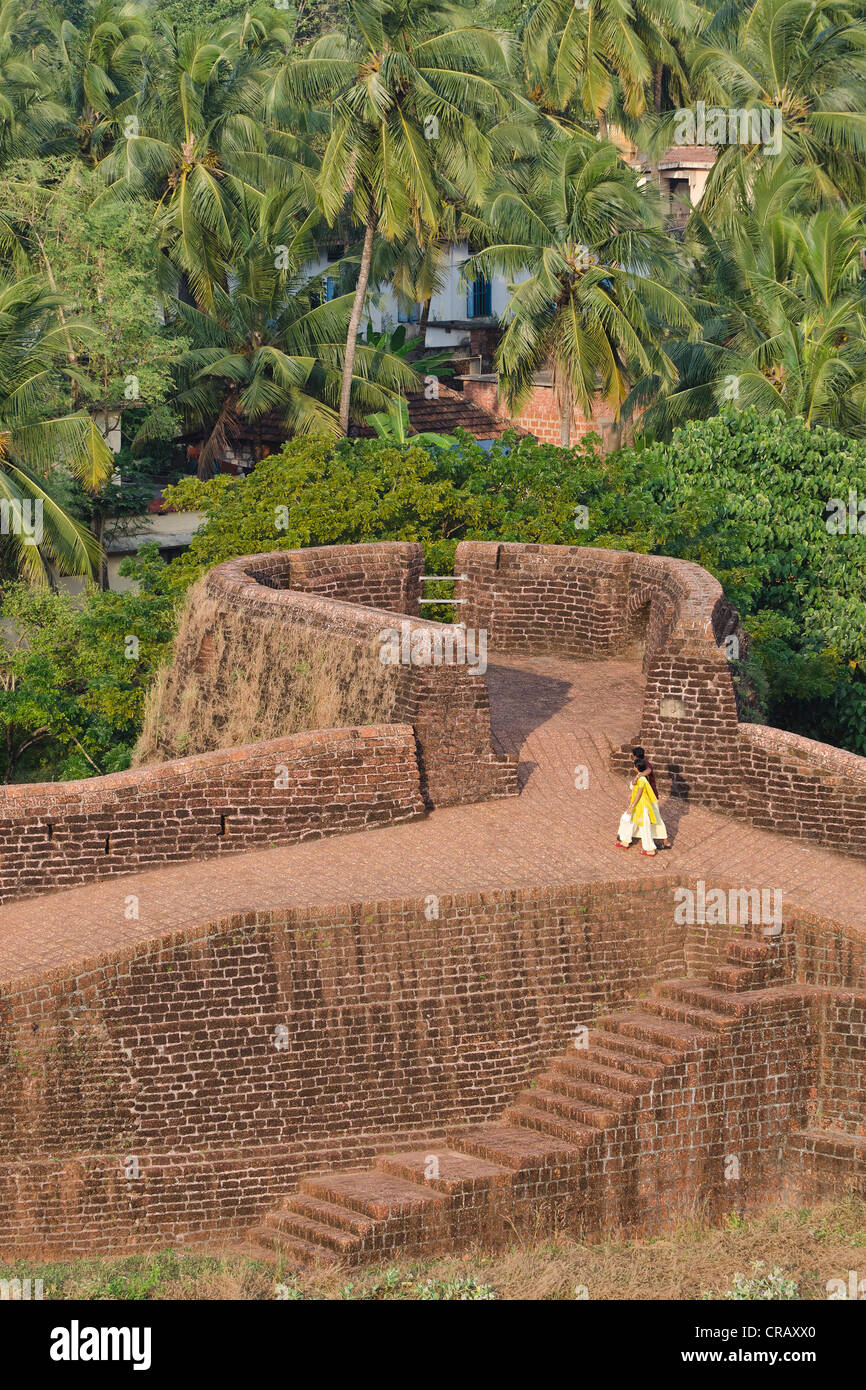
(442, 416)
(452, 410)
(689, 154)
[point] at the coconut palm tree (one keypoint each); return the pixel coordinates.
(272, 347)
(587, 52)
(29, 114)
(806, 60)
(201, 148)
(34, 353)
(588, 295)
(412, 87)
(782, 308)
(101, 65)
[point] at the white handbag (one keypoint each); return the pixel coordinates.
(625, 828)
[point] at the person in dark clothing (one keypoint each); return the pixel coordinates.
(640, 756)
(645, 767)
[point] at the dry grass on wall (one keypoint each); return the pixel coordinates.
(237, 680)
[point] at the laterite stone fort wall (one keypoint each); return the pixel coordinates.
(56, 834)
(358, 593)
(175, 1090)
(578, 601)
(803, 788)
(586, 602)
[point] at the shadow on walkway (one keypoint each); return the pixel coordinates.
(522, 700)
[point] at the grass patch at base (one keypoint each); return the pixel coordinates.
(797, 1250)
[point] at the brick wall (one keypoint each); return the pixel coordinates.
(384, 575)
(803, 788)
(227, 1062)
(354, 593)
(540, 414)
(61, 833)
(586, 602)
(839, 1099)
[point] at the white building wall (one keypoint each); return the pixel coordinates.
(448, 304)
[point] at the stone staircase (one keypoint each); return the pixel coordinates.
(541, 1167)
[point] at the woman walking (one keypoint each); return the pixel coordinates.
(643, 816)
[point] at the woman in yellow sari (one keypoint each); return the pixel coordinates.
(643, 816)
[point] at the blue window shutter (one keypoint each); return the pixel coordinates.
(479, 299)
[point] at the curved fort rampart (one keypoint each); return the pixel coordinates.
(586, 602)
(423, 738)
(282, 1077)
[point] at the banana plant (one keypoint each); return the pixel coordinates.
(393, 425)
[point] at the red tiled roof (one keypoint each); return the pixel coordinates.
(442, 416)
(450, 411)
(688, 154)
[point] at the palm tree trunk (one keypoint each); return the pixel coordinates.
(565, 403)
(655, 177)
(422, 325)
(355, 320)
(98, 530)
(60, 315)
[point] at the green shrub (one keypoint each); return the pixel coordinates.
(398, 1284)
(761, 1285)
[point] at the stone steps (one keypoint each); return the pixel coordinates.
(611, 1078)
(678, 1011)
(451, 1172)
(558, 1103)
(410, 1201)
(572, 1131)
(702, 996)
(631, 1053)
(276, 1245)
(514, 1147)
(672, 1035)
(575, 1085)
(328, 1214)
(283, 1230)
(371, 1192)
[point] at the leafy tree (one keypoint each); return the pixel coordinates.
(199, 151)
(805, 59)
(74, 673)
(587, 52)
(101, 260)
(783, 311)
(29, 113)
(101, 68)
(766, 481)
(32, 344)
(268, 348)
(313, 493)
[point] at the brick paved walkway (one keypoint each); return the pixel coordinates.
(560, 715)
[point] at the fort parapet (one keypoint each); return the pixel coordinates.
(572, 1056)
(426, 738)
